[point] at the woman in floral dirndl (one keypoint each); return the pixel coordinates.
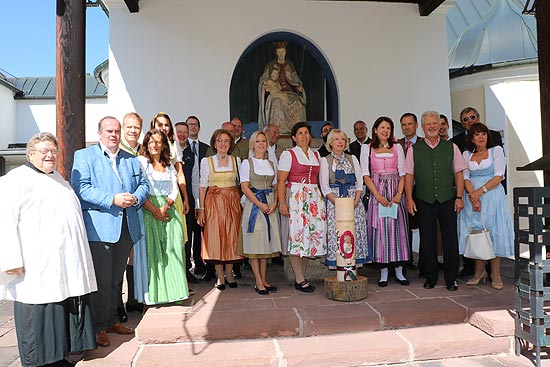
(383, 163)
(341, 176)
(302, 208)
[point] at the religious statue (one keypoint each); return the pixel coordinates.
(281, 93)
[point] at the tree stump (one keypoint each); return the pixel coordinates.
(354, 290)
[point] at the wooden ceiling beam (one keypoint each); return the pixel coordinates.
(133, 5)
(426, 7)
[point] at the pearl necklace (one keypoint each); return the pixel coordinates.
(386, 145)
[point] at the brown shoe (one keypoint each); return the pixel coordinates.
(118, 328)
(102, 339)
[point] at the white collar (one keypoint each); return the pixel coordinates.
(104, 149)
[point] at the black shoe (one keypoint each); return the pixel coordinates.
(304, 286)
(134, 307)
(199, 270)
(191, 278)
(208, 276)
(122, 315)
(263, 292)
(237, 273)
(402, 282)
(232, 284)
(246, 265)
(383, 283)
(62, 363)
(429, 285)
(221, 287)
(452, 286)
(311, 285)
(271, 288)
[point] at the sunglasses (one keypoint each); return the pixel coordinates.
(471, 117)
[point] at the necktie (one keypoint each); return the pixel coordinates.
(408, 146)
(194, 147)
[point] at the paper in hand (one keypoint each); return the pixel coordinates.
(387, 211)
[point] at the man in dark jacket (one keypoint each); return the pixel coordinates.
(360, 131)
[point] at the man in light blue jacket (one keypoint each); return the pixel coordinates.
(111, 188)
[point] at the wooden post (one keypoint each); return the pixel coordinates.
(542, 13)
(70, 81)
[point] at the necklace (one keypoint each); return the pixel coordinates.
(385, 145)
(220, 157)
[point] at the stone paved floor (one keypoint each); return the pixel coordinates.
(401, 326)
(9, 354)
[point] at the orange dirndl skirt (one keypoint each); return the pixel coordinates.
(223, 212)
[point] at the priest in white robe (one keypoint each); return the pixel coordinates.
(46, 267)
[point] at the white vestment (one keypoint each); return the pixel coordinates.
(42, 231)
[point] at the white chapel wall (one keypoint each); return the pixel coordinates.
(178, 56)
(7, 119)
(35, 115)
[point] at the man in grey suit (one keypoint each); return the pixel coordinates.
(409, 125)
(111, 187)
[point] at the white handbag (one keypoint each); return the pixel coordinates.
(479, 245)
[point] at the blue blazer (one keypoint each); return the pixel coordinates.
(96, 184)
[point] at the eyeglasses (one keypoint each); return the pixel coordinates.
(45, 151)
(223, 141)
(471, 117)
(192, 124)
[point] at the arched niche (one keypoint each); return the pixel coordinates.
(310, 63)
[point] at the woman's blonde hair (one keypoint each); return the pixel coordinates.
(332, 135)
(252, 141)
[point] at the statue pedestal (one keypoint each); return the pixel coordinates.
(349, 291)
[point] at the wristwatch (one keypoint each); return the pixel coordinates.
(484, 189)
(459, 198)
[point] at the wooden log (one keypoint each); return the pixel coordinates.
(354, 290)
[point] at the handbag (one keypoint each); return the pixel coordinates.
(479, 245)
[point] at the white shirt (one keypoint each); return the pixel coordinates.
(176, 154)
(324, 175)
(43, 231)
(160, 183)
(285, 162)
(112, 157)
(496, 154)
(262, 167)
(271, 153)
